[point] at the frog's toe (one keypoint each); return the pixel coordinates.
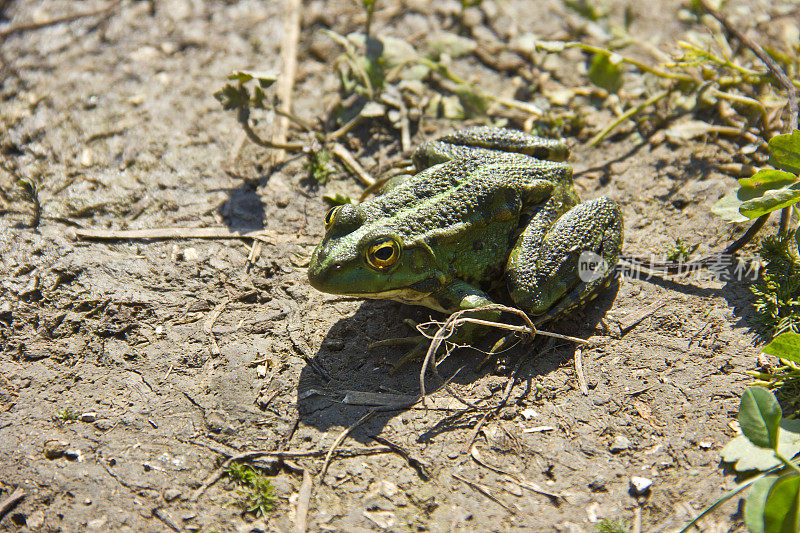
(414, 354)
(397, 341)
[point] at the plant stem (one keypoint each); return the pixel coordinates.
(625, 116)
(644, 67)
(787, 462)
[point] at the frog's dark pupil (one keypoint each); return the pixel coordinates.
(384, 253)
(329, 216)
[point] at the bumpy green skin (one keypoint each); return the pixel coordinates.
(484, 204)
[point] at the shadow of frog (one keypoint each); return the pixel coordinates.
(345, 380)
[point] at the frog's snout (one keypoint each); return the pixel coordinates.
(320, 273)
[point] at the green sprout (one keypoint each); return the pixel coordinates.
(67, 415)
(255, 490)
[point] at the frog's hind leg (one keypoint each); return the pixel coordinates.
(551, 274)
(477, 142)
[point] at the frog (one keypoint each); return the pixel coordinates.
(485, 208)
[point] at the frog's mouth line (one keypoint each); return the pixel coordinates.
(406, 296)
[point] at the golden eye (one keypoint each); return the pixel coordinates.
(383, 253)
(331, 214)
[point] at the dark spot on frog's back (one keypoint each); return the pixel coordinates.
(477, 245)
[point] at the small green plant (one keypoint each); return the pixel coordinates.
(67, 415)
(778, 290)
(319, 166)
(612, 526)
(680, 251)
(785, 376)
(255, 490)
(769, 446)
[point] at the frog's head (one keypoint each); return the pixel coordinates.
(368, 259)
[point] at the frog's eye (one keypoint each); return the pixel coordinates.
(383, 253)
(331, 215)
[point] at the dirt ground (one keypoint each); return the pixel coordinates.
(114, 116)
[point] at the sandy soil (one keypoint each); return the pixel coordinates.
(114, 116)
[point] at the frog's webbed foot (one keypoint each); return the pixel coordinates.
(419, 347)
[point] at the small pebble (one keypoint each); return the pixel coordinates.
(705, 445)
(88, 417)
(53, 449)
(73, 454)
(597, 484)
(261, 371)
(640, 485)
(103, 424)
(620, 444)
(172, 494)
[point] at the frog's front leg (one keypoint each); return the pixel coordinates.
(456, 296)
(551, 273)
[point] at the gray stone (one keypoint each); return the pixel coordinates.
(620, 444)
(172, 494)
(640, 485)
(53, 449)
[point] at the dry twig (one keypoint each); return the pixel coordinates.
(26, 26)
(11, 501)
(291, 36)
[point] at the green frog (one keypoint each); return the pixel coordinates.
(486, 206)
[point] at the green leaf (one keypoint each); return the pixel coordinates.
(785, 152)
(606, 71)
(452, 108)
(747, 456)
(760, 417)
(768, 190)
(767, 178)
(474, 102)
(782, 506)
(728, 207)
(232, 96)
(786, 346)
(771, 200)
(755, 503)
(337, 199)
(264, 79)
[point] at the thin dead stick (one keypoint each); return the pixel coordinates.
(11, 501)
(485, 491)
(476, 455)
(512, 380)
(182, 233)
(26, 26)
(303, 503)
(579, 372)
(343, 435)
(350, 162)
(291, 36)
(777, 71)
(208, 325)
(246, 456)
